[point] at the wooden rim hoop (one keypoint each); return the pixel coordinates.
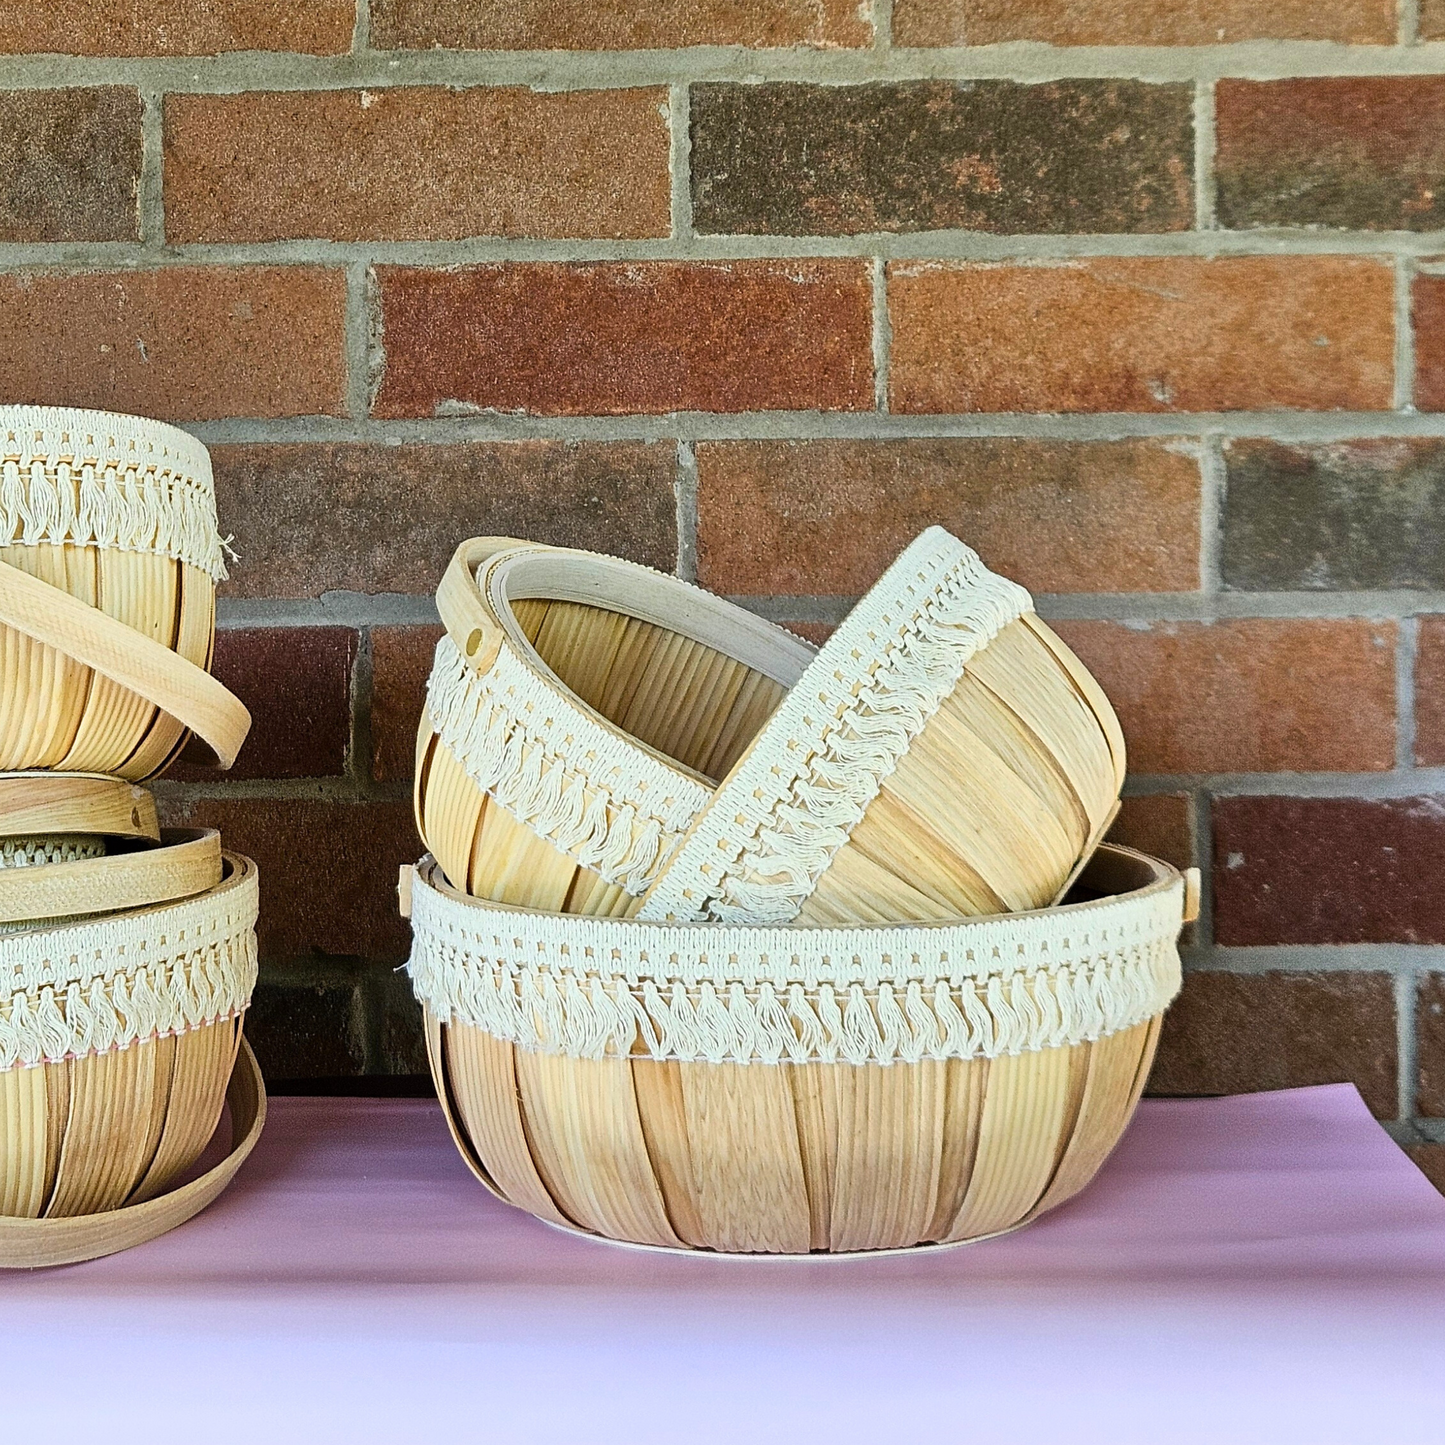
(40, 803)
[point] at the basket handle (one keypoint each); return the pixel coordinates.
(464, 614)
(178, 687)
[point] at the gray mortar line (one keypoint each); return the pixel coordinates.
(358, 340)
(1204, 181)
(882, 335)
(1407, 21)
(1201, 837)
(1406, 645)
(882, 25)
(150, 187)
(1400, 959)
(1404, 335)
(593, 70)
(679, 160)
(1212, 483)
(361, 28)
(1406, 986)
(1365, 787)
(685, 497)
(333, 609)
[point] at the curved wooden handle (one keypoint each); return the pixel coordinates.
(41, 804)
(34, 1243)
(187, 692)
(464, 614)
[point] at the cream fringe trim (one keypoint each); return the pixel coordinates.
(90, 987)
(37, 852)
(91, 478)
(593, 988)
(606, 802)
(774, 826)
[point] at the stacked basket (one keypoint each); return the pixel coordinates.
(127, 951)
(729, 944)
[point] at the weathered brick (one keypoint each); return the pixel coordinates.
(1429, 1159)
(401, 659)
(174, 27)
(1340, 515)
(313, 518)
(1430, 1046)
(1329, 870)
(181, 342)
(1141, 22)
(1362, 152)
(402, 1045)
(562, 340)
(296, 681)
(1142, 334)
(416, 163)
(1427, 314)
(1070, 155)
(1247, 695)
(328, 870)
(1230, 1033)
(585, 25)
(1432, 20)
(1430, 692)
(800, 518)
(72, 165)
(308, 1027)
(1158, 824)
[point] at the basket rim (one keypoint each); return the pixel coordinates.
(116, 426)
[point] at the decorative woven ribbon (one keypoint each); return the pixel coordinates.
(93, 479)
(596, 988)
(771, 830)
(105, 984)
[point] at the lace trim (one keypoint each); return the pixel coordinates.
(595, 988)
(772, 829)
(601, 799)
(93, 986)
(36, 852)
(91, 478)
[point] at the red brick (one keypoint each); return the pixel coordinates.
(1360, 152)
(586, 25)
(319, 517)
(566, 340)
(801, 518)
(1430, 1046)
(1231, 1033)
(328, 870)
(183, 342)
(401, 659)
(297, 683)
(174, 27)
(1247, 696)
(416, 164)
(1141, 22)
(72, 165)
(1142, 334)
(1160, 825)
(1430, 692)
(1427, 307)
(1329, 870)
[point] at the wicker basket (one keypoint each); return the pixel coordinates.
(796, 1089)
(118, 1036)
(578, 713)
(109, 556)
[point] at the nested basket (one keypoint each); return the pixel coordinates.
(119, 1035)
(109, 556)
(796, 1089)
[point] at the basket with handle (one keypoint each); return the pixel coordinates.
(801, 1088)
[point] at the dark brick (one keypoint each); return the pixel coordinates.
(614, 338)
(1230, 1033)
(1075, 155)
(403, 1047)
(1430, 1160)
(586, 25)
(1360, 152)
(316, 517)
(1427, 314)
(1342, 515)
(308, 1027)
(297, 683)
(72, 165)
(800, 518)
(1430, 692)
(1158, 824)
(1329, 870)
(1430, 1046)
(1247, 695)
(401, 659)
(174, 27)
(1432, 19)
(328, 870)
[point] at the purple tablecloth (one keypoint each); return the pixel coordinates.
(1267, 1268)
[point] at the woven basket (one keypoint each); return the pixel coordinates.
(109, 556)
(578, 713)
(796, 1089)
(118, 1036)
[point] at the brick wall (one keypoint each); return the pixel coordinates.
(1146, 301)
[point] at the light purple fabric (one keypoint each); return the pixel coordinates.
(1263, 1269)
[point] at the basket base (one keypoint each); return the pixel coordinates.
(40, 1243)
(812, 1257)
